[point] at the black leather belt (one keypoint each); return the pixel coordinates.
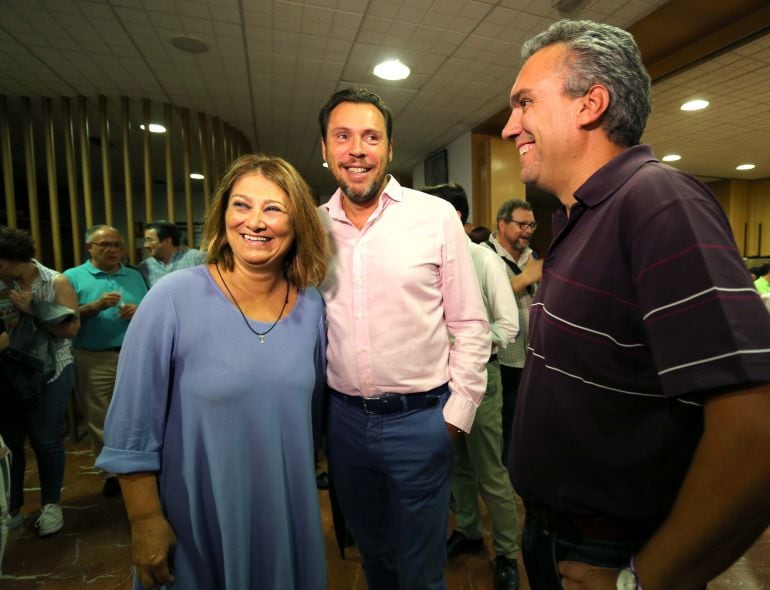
(391, 403)
(575, 528)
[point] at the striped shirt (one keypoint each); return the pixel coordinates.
(153, 270)
(42, 290)
(644, 306)
(514, 354)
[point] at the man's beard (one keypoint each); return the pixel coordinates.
(370, 193)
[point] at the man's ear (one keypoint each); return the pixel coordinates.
(593, 105)
(390, 151)
(323, 150)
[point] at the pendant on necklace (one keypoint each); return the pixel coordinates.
(261, 338)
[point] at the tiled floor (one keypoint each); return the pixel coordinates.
(92, 551)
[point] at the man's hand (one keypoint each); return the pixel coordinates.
(454, 432)
(533, 272)
(109, 299)
(582, 576)
(127, 311)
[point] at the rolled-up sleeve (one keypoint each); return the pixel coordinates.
(135, 426)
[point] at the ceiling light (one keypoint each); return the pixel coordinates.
(391, 70)
(746, 167)
(695, 105)
(671, 158)
(196, 176)
(190, 44)
(155, 128)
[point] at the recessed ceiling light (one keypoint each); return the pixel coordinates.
(746, 167)
(196, 176)
(391, 70)
(695, 105)
(190, 44)
(155, 128)
(671, 158)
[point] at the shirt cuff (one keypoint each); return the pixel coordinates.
(459, 411)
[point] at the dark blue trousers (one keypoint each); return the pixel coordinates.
(391, 474)
(544, 549)
(43, 425)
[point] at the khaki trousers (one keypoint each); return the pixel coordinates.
(477, 468)
(94, 381)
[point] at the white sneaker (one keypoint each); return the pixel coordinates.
(16, 521)
(50, 520)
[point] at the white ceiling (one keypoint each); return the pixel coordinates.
(273, 63)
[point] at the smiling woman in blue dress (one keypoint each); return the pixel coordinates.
(211, 424)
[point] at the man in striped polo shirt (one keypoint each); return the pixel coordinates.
(641, 442)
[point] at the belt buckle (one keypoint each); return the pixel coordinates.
(384, 404)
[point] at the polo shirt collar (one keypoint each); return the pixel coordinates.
(95, 271)
(609, 178)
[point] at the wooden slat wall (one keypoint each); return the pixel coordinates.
(57, 224)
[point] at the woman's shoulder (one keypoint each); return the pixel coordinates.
(312, 295)
(185, 278)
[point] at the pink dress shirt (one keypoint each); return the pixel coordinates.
(394, 291)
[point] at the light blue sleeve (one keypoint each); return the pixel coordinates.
(136, 421)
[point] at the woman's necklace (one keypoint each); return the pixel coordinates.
(243, 315)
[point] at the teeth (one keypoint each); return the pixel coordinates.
(525, 148)
(357, 170)
(255, 238)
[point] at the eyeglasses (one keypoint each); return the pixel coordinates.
(106, 245)
(524, 224)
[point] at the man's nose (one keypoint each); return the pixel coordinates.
(512, 128)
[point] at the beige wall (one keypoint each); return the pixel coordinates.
(496, 170)
(747, 205)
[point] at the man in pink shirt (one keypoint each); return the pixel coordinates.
(400, 283)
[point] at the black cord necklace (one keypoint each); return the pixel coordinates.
(243, 315)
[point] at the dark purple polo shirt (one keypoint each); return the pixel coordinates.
(644, 305)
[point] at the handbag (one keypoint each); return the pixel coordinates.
(27, 364)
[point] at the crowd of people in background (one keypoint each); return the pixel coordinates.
(625, 406)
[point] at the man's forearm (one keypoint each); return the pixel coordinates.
(724, 502)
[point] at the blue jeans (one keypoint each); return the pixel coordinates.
(391, 475)
(543, 550)
(44, 425)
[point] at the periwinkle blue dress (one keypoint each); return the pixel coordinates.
(226, 422)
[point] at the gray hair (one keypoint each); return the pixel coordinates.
(95, 228)
(606, 55)
(506, 209)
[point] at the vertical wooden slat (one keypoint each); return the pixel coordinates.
(745, 238)
(147, 150)
(5, 147)
(186, 145)
(29, 164)
(105, 151)
(216, 148)
(53, 188)
(205, 143)
(169, 164)
(226, 144)
(72, 179)
(124, 123)
(85, 162)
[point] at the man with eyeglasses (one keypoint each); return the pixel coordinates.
(167, 253)
(108, 295)
(515, 226)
